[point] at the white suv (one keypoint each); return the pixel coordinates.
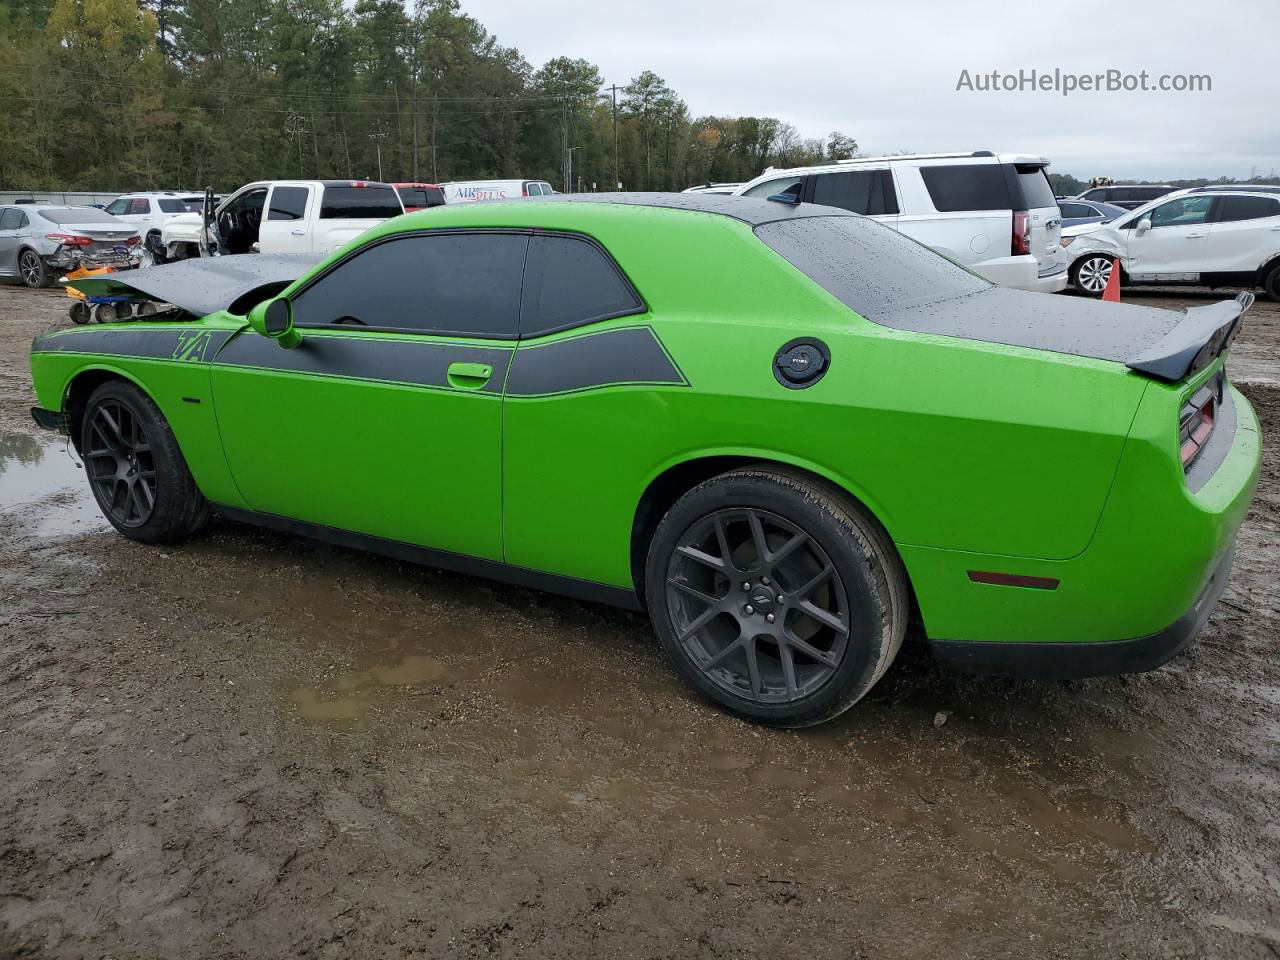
(148, 212)
(1207, 236)
(992, 212)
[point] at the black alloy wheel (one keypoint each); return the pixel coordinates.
(120, 463)
(757, 605)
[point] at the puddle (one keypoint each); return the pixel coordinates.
(43, 483)
(344, 697)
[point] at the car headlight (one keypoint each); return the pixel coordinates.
(1066, 241)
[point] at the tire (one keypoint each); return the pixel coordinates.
(32, 270)
(136, 471)
(1271, 282)
(716, 607)
(1090, 273)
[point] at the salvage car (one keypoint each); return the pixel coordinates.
(784, 430)
(1201, 236)
(282, 216)
(147, 213)
(40, 242)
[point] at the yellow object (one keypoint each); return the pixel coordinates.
(79, 273)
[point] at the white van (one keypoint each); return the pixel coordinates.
(463, 191)
(993, 213)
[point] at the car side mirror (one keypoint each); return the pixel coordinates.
(1143, 225)
(274, 319)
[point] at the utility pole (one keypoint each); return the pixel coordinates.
(377, 138)
(617, 184)
(569, 176)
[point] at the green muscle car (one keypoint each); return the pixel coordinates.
(782, 429)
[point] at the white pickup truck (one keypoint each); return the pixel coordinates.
(283, 216)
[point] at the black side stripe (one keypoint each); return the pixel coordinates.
(625, 355)
(188, 345)
(358, 357)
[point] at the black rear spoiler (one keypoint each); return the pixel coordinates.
(1195, 342)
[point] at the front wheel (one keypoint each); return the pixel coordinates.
(136, 470)
(1090, 274)
(775, 596)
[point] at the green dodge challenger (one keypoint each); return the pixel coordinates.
(782, 429)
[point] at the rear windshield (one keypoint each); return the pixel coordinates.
(421, 196)
(870, 268)
(77, 215)
(1036, 190)
(360, 203)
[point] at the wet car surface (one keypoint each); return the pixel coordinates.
(255, 745)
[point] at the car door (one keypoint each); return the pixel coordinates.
(387, 419)
(1176, 244)
(286, 219)
(1245, 231)
(10, 218)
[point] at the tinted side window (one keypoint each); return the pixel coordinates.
(862, 191)
(1246, 208)
(9, 219)
(360, 203)
(1076, 210)
(569, 281)
(139, 205)
(464, 284)
(288, 203)
(784, 185)
(979, 186)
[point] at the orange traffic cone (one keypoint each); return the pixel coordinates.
(1112, 292)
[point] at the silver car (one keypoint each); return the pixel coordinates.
(39, 242)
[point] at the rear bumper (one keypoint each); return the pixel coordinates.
(1024, 273)
(1064, 661)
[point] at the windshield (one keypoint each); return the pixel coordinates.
(867, 266)
(77, 215)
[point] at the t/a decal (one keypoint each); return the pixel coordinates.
(192, 346)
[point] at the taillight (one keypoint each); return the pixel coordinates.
(1020, 243)
(1196, 420)
(524, 191)
(69, 239)
(134, 240)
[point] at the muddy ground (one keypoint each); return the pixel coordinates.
(257, 746)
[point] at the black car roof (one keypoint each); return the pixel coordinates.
(750, 210)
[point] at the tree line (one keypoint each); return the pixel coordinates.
(122, 94)
(176, 94)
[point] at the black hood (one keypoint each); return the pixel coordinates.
(1166, 344)
(205, 285)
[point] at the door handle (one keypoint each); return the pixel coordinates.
(1194, 236)
(469, 376)
(298, 233)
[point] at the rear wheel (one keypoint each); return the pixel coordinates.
(775, 597)
(1271, 282)
(32, 269)
(138, 475)
(1090, 274)
(155, 247)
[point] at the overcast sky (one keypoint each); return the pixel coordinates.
(886, 73)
